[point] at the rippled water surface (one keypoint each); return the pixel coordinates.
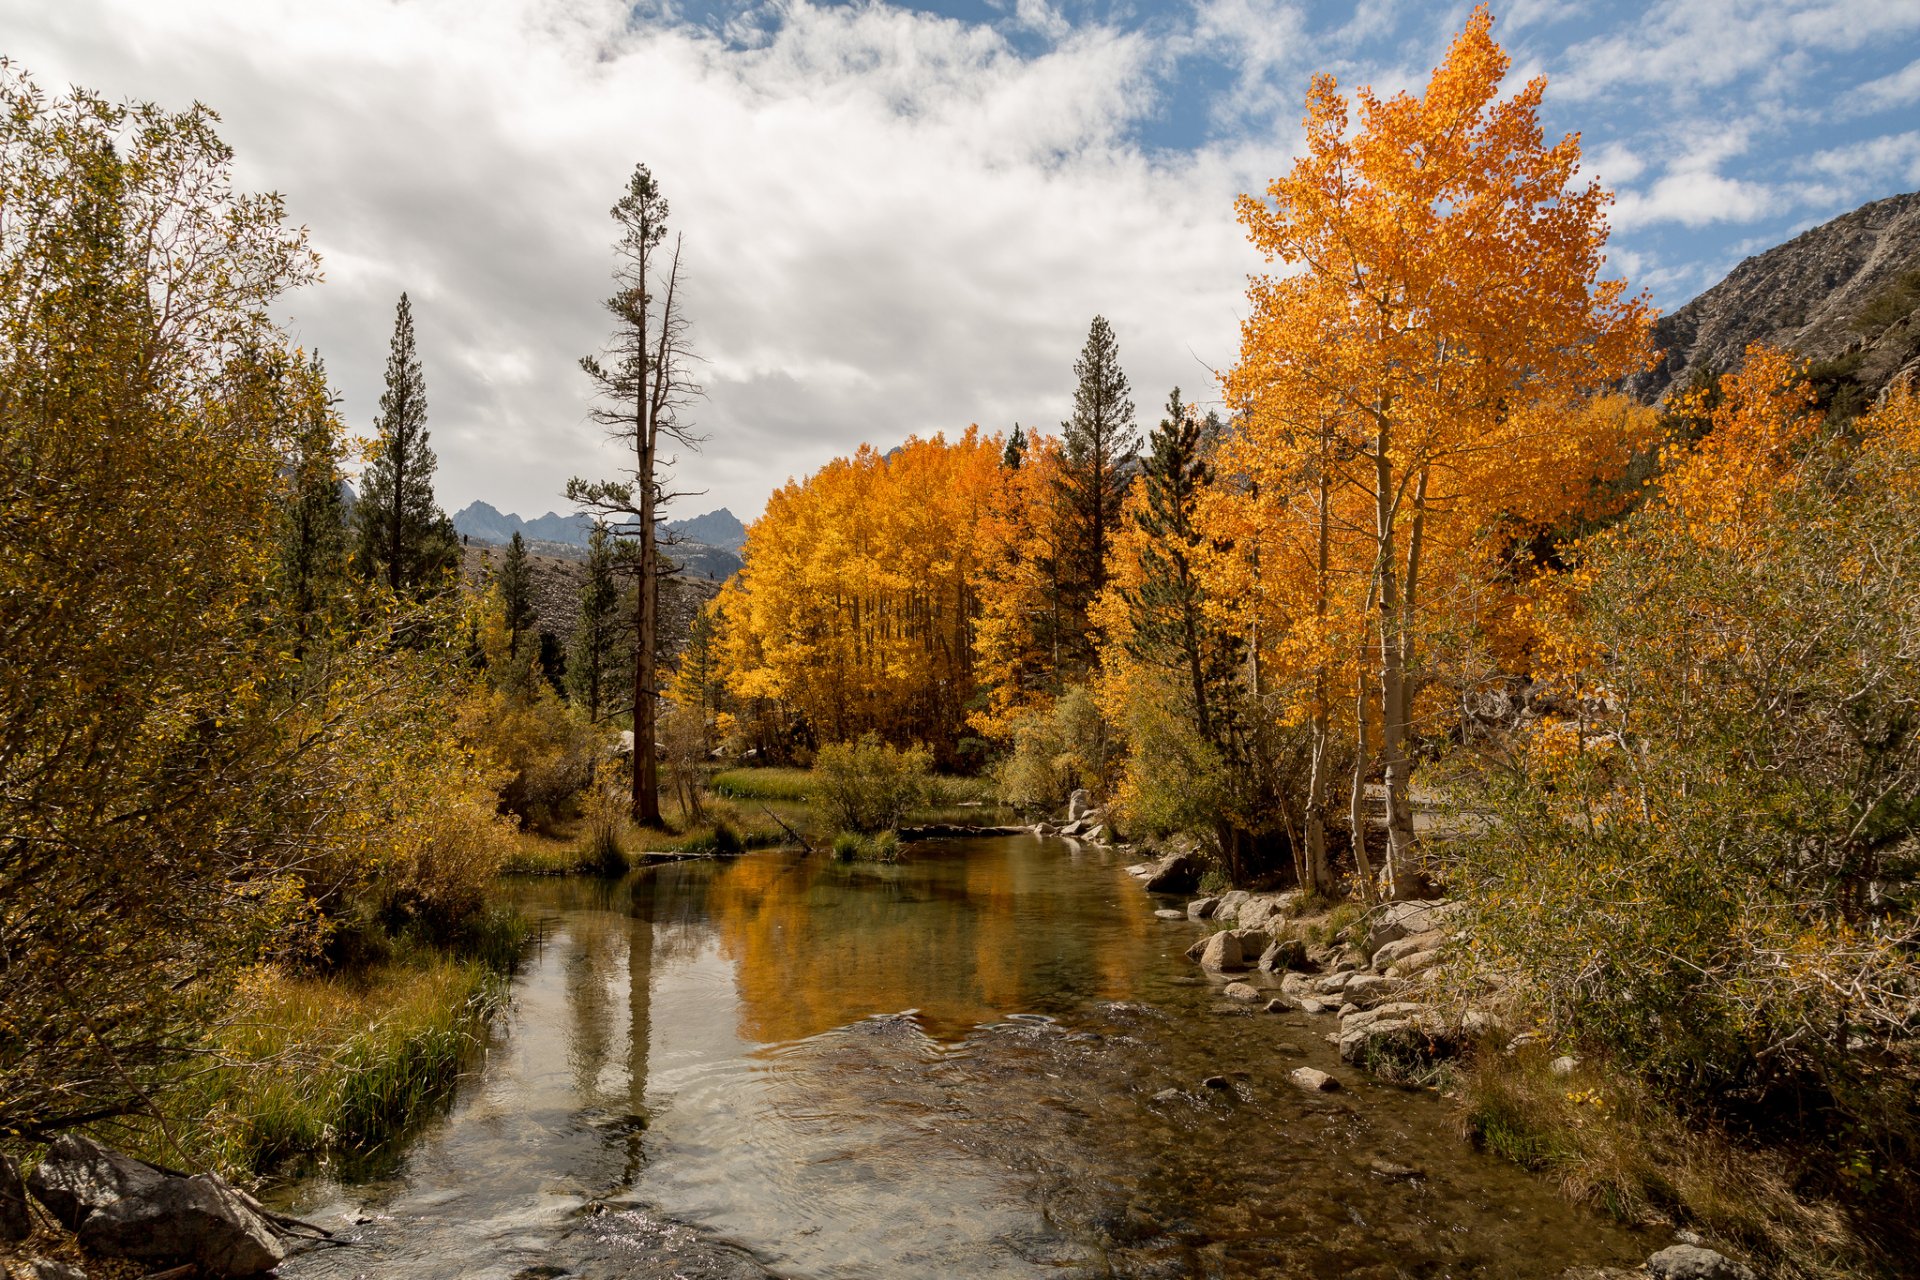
(956, 1066)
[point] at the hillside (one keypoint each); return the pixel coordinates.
(1832, 294)
(556, 593)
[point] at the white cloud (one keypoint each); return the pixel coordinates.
(894, 224)
(1896, 90)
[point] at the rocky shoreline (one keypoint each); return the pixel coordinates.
(1381, 979)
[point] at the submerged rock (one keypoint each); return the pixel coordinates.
(1168, 913)
(1691, 1262)
(126, 1208)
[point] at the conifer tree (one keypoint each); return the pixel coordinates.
(516, 595)
(642, 383)
(594, 662)
(313, 538)
(1016, 450)
(1094, 442)
(405, 540)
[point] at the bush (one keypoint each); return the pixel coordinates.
(1056, 750)
(869, 786)
(604, 849)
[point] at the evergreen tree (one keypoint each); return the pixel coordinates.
(1095, 441)
(595, 661)
(516, 596)
(1016, 450)
(405, 540)
(313, 537)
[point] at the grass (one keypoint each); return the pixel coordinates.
(312, 1064)
(1609, 1144)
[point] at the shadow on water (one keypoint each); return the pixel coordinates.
(986, 1060)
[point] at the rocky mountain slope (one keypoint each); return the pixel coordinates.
(1833, 294)
(557, 581)
(704, 546)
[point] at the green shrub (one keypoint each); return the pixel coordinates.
(1056, 750)
(846, 846)
(869, 785)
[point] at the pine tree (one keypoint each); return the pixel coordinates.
(1016, 450)
(594, 661)
(313, 538)
(516, 596)
(405, 540)
(1095, 440)
(642, 383)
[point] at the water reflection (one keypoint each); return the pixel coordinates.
(710, 1070)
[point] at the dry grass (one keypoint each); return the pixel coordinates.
(1611, 1145)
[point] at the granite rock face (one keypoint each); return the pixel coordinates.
(1803, 295)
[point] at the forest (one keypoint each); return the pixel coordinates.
(1428, 607)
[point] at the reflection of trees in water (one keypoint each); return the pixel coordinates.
(818, 944)
(640, 943)
(589, 960)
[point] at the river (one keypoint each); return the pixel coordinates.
(986, 1060)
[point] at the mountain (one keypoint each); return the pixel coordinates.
(1844, 295)
(705, 546)
(715, 529)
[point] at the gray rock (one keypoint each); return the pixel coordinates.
(1230, 903)
(1168, 1095)
(1563, 1065)
(16, 1219)
(1397, 920)
(1242, 991)
(1168, 913)
(1415, 965)
(1202, 908)
(1097, 833)
(199, 1219)
(1077, 804)
(1313, 1081)
(78, 1175)
(1282, 956)
(122, 1207)
(1402, 1031)
(1221, 953)
(1259, 911)
(1310, 1005)
(1478, 1022)
(1334, 982)
(1690, 1262)
(1177, 873)
(1217, 1082)
(1298, 986)
(1366, 989)
(1277, 1005)
(47, 1269)
(1393, 952)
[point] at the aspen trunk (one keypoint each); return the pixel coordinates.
(1393, 682)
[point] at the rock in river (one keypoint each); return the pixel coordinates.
(1313, 1081)
(1242, 991)
(1177, 873)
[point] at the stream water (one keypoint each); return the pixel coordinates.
(955, 1066)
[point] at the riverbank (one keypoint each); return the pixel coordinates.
(1406, 1006)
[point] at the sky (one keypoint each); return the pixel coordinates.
(901, 219)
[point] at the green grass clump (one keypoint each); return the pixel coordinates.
(795, 785)
(319, 1064)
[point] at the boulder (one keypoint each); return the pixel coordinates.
(1691, 1262)
(1230, 903)
(1563, 1065)
(1177, 873)
(1297, 986)
(1400, 949)
(1310, 1005)
(16, 1220)
(1397, 920)
(1414, 965)
(1077, 804)
(1333, 983)
(1241, 991)
(1369, 989)
(1283, 956)
(47, 1269)
(1277, 1005)
(1202, 908)
(1313, 1081)
(199, 1219)
(1221, 953)
(1097, 834)
(1399, 1032)
(122, 1207)
(1477, 1023)
(1260, 910)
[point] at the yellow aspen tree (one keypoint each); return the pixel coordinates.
(1442, 281)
